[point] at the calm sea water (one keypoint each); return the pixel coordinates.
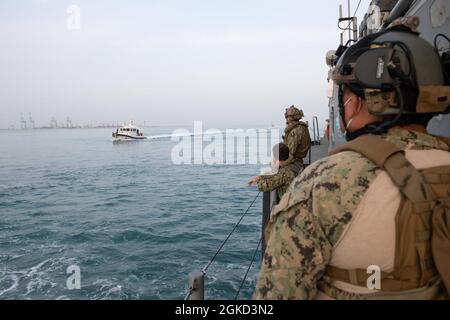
(134, 223)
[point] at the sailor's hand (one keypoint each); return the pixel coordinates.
(252, 181)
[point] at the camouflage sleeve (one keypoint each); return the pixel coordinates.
(272, 182)
(292, 142)
(296, 256)
(308, 222)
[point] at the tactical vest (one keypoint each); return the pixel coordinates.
(305, 143)
(422, 224)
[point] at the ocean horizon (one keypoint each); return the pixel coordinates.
(133, 222)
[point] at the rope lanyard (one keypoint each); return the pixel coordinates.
(228, 237)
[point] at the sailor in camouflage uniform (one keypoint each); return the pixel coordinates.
(341, 211)
(282, 176)
(296, 137)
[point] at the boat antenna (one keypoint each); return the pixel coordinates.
(350, 19)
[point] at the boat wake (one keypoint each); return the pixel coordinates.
(180, 135)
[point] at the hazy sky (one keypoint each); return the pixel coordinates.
(166, 62)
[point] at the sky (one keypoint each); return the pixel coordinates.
(166, 62)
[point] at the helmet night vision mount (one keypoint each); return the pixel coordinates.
(397, 72)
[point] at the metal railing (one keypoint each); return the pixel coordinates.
(197, 278)
(196, 286)
(270, 199)
(316, 132)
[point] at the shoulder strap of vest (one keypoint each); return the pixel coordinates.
(392, 159)
(303, 123)
(410, 183)
(444, 139)
(372, 147)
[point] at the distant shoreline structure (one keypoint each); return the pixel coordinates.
(74, 127)
(29, 123)
(115, 126)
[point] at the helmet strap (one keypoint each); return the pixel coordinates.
(372, 128)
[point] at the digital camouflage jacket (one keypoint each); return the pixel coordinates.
(312, 215)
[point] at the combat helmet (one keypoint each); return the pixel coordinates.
(396, 72)
(294, 113)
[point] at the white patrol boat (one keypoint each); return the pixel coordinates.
(128, 133)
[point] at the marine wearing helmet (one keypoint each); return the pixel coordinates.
(371, 221)
(296, 137)
(400, 77)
